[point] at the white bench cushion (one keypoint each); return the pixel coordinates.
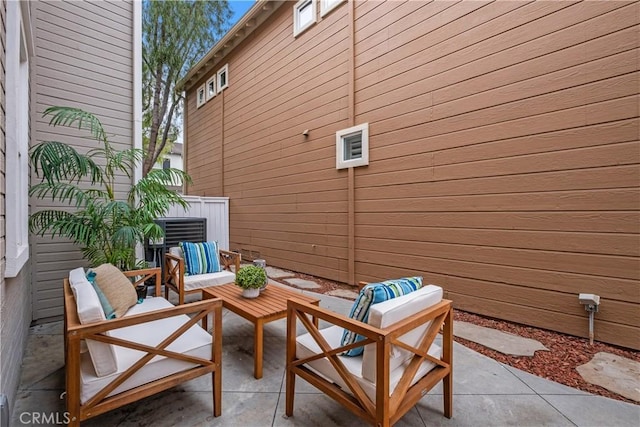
(195, 342)
(210, 279)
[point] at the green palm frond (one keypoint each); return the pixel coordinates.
(106, 229)
(62, 223)
(75, 117)
(57, 161)
(66, 193)
(127, 236)
(169, 176)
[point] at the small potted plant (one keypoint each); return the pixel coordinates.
(251, 278)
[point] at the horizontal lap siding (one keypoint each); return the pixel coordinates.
(84, 59)
(288, 204)
(504, 153)
(504, 157)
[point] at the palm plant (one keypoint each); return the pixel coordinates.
(106, 229)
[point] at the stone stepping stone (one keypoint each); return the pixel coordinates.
(503, 342)
(615, 373)
(301, 283)
(276, 273)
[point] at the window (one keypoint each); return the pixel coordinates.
(352, 147)
(304, 15)
(17, 142)
(200, 96)
(166, 164)
(327, 6)
(223, 78)
(211, 88)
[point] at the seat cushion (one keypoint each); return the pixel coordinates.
(116, 287)
(387, 313)
(306, 347)
(200, 258)
(101, 355)
(375, 293)
(205, 280)
(195, 342)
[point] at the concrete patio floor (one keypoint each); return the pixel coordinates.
(486, 392)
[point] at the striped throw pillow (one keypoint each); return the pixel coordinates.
(200, 258)
(374, 293)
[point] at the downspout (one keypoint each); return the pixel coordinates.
(137, 84)
(351, 268)
(137, 96)
(222, 146)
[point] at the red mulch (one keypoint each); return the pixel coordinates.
(559, 364)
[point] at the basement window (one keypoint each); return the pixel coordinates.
(304, 15)
(327, 6)
(201, 96)
(211, 88)
(223, 78)
(352, 147)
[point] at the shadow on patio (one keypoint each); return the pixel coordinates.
(486, 392)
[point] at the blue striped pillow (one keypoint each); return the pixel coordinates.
(374, 293)
(200, 258)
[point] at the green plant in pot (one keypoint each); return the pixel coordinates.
(251, 278)
(105, 223)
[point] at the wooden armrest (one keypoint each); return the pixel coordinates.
(364, 329)
(174, 271)
(209, 305)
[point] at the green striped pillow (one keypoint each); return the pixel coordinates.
(200, 258)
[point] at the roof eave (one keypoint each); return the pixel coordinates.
(251, 20)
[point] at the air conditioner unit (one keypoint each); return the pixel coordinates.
(175, 230)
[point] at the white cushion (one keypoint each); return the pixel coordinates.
(200, 281)
(210, 279)
(387, 313)
(306, 347)
(195, 342)
(77, 276)
(102, 355)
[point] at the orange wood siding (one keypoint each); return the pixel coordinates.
(287, 201)
(504, 153)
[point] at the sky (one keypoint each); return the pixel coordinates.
(239, 7)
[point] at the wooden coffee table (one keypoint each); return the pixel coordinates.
(269, 306)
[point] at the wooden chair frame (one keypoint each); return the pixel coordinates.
(174, 272)
(387, 409)
(100, 403)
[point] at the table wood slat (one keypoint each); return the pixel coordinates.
(269, 306)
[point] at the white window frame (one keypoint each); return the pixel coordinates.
(298, 27)
(341, 163)
(211, 83)
(17, 142)
(224, 70)
(201, 96)
(327, 6)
